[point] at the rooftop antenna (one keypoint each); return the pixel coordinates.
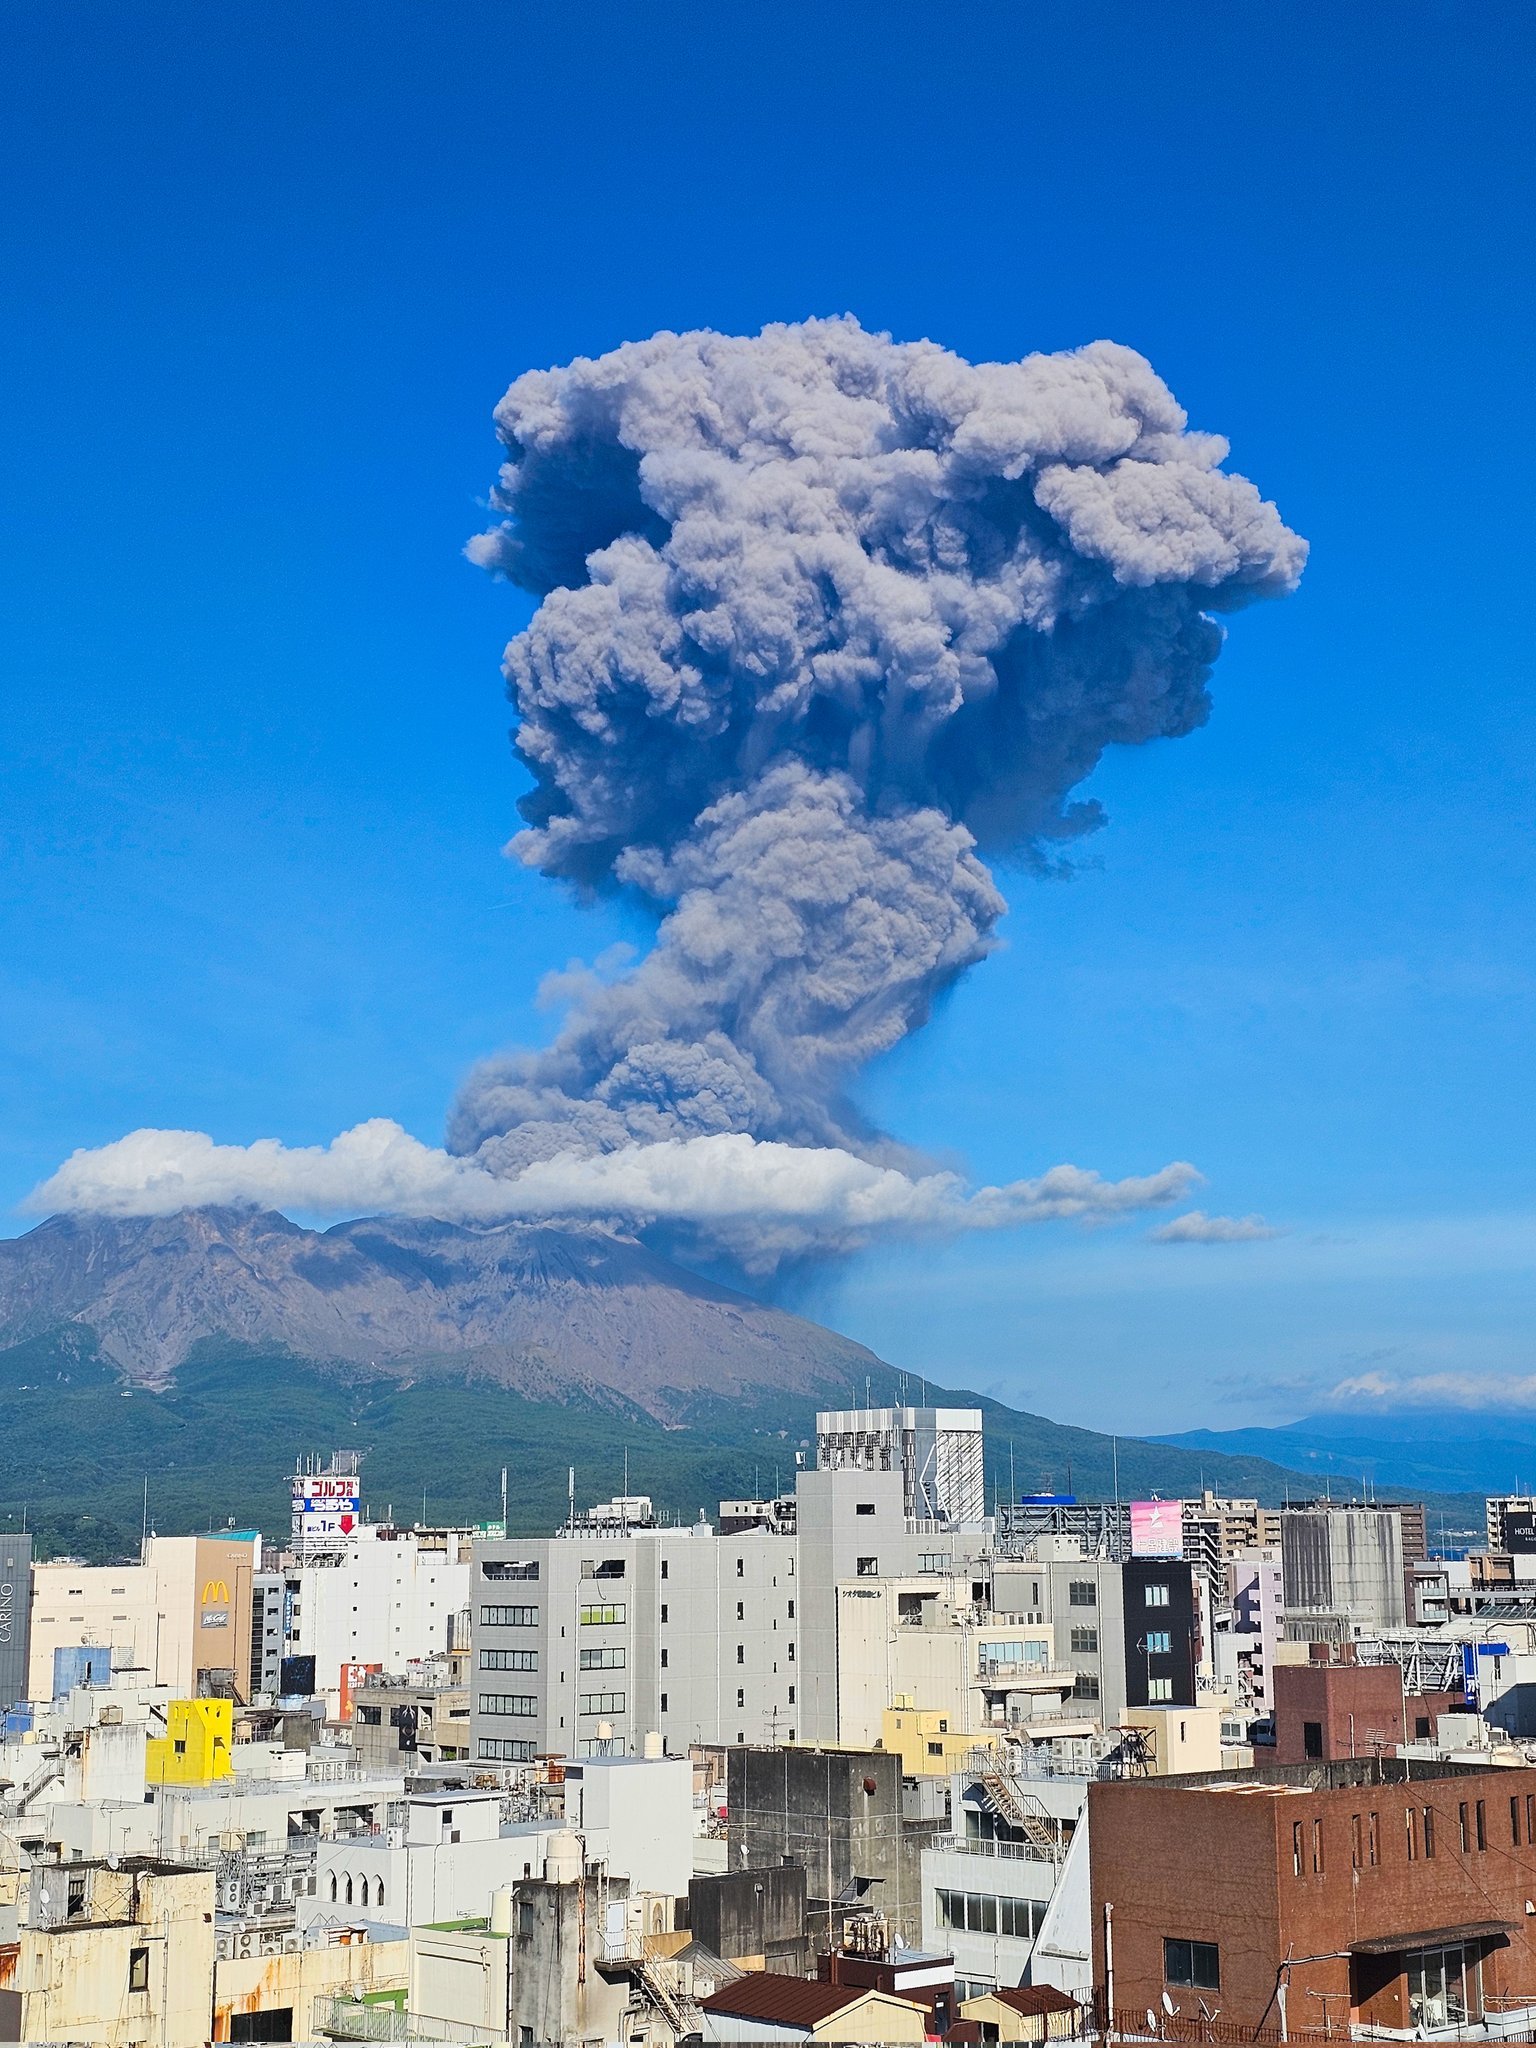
(570, 1494)
(503, 1500)
(626, 1471)
(144, 1525)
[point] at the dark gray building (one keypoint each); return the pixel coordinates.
(15, 1616)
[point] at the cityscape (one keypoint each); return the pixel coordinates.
(767, 975)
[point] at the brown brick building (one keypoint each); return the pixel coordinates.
(1332, 1708)
(1349, 1893)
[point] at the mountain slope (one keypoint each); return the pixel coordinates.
(557, 1314)
(205, 1352)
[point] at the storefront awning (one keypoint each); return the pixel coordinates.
(1433, 1937)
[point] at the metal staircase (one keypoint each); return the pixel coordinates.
(1023, 1810)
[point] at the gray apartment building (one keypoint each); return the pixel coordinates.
(621, 1626)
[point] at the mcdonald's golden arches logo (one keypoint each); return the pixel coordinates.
(215, 1591)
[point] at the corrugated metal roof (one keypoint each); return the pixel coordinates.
(790, 2001)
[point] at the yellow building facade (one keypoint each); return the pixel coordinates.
(195, 1748)
(928, 1745)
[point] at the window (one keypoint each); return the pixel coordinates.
(973, 1911)
(1297, 1850)
(1354, 1841)
(495, 1751)
(1195, 1963)
(741, 1567)
(1514, 1822)
(604, 1660)
(180, 1746)
(1157, 1596)
(663, 1703)
(790, 1612)
(509, 1617)
(372, 1717)
(868, 1567)
(1429, 1832)
(509, 1660)
(1160, 1692)
(1464, 1831)
(501, 1568)
(865, 1507)
(741, 1653)
(1373, 1842)
(138, 1969)
(1020, 1917)
(935, 1749)
(1084, 1641)
(1312, 1738)
(1159, 1642)
(1317, 1849)
(663, 1610)
(610, 1568)
(789, 1652)
(791, 1702)
(741, 1696)
(603, 1617)
(664, 1574)
(1482, 1824)
(521, 1705)
(663, 1660)
(1410, 1820)
(741, 1610)
(1082, 1593)
(600, 1703)
(1085, 1686)
(1445, 1988)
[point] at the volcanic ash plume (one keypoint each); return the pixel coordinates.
(824, 617)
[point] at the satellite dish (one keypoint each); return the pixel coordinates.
(1151, 2021)
(114, 1862)
(1168, 2005)
(45, 1898)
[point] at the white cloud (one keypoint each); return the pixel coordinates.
(1198, 1228)
(755, 1194)
(1495, 1390)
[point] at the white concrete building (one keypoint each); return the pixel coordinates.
(386, 1596)
(927, 1640)
(988, 1889)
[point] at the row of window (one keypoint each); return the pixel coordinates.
(981, 1913)
(521, 1706)
(1309, 1852)
(495, 1751)
(610, 1615)
(602, 1660)
(509, 1660)
(600, 1703)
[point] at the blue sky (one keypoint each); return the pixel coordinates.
(279, 265)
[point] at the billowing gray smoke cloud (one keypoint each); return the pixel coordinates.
(822, 615)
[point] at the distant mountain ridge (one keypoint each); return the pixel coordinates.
(1446, 1450)
(554, 1313)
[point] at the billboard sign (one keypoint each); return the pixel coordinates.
(1157, 1528)
(325, 1504)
